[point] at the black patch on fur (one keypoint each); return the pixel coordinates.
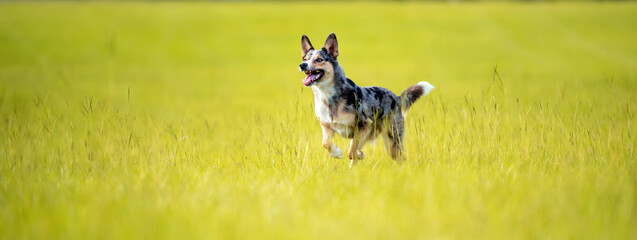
(360, 123)
(393, 104)
(359, 93)
(364, 114)
(350, 98)
(378, 94)
(350, 83)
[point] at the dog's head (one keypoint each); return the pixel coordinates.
(318, 65)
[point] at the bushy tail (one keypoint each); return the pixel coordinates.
(413, 93)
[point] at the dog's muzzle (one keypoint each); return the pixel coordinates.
(303, 66)
(312, 76)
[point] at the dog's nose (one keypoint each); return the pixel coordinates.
(303, 66)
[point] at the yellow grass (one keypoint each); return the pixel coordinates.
(189, 121)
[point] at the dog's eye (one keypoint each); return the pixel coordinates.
(318, 60)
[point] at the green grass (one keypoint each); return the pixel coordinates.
(189, 121)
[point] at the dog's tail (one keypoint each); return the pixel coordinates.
(413, 93)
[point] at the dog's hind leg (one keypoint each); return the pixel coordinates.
(328, 133)
(394, 140)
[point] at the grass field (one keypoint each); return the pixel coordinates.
(189, 121)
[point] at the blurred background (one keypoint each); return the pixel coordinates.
(189, 120)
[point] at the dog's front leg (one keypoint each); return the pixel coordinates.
(328, 133)
(360, 137)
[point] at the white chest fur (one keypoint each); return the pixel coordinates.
(321, 108)
(342, 124)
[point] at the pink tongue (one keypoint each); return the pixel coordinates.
(307, 80)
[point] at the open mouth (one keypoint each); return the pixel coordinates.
(312, 76)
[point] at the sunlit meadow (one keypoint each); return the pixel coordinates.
(189, 121)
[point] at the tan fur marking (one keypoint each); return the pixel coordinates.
(343, 122)
(328, 69)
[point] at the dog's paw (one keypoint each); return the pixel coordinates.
(360, 155)
(337, 153)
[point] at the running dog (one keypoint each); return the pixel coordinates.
(357, 113)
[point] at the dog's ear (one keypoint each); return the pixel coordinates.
(331, 45)
(306, 46)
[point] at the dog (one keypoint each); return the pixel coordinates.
(357, 113)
